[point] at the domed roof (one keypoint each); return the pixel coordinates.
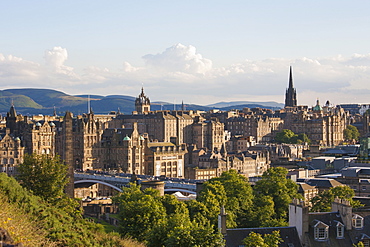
(52, 124)
(127, 138)
(141, 138)
(38, 124)
(17, 139)
(317, 107)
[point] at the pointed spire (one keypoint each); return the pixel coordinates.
(55, 112)
(182, 106)
(12, 112)
(290, 78)
(290, 95)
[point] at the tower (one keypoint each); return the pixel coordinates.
(291, 94)
(142, 103)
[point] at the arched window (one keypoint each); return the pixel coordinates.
(5, 161)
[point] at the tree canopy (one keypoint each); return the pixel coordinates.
(164, 221)
(275, 190)
(44, 175)
(234, 192)
(351, 133)
(267, 240)
(288, 136)
(322, 202)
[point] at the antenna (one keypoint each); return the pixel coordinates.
(88, 103)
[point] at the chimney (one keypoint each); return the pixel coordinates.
(222, 221)
(344, 208)
(298, 217)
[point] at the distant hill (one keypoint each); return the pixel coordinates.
(32, 101)
(246, 103)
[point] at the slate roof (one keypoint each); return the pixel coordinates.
(321, 182)
(289, 235)
(330, 219)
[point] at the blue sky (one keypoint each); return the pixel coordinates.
(197, 51)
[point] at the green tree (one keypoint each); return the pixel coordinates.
(351, 133)
(282, 190)
(267, 240)
(288, 136)
(163, 220)
(44, 175)
(263, 211)
(234, 192)
(213, 196)
(322, 202)
(285, 136)
(139, 212)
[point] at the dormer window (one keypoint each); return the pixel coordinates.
(357, 221)
(321, 231)
(340, 230)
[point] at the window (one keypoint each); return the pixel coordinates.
(340, 231)
(357, 221)
(321, 231)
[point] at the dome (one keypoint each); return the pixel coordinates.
(317, 107)
(141, 138)
(52, 124)
(38, 124)
(17, 139)
(126, 138)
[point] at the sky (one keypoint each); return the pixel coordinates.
(199, 52)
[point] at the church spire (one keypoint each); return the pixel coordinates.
(290, 95)
(290, 77)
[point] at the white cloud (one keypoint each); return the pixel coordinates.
(55, 59)
(181, 72)
(179, 58)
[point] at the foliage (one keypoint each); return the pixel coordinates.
(267, 240)
(359, 244)
(276, 187)
(231, 190)
(351, 133)
(284, 136)
(44, 175)
(139, 212)
(322, 202)
(288, 136)
(164, 221)
(58, 226)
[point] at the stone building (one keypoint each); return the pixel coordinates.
(208, 134)
(121, 150)
(79, 139)
(11, 153)
(262, 128)
(165, 159)
(142, 103)
(212, 164)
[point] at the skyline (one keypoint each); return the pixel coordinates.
(199, 53)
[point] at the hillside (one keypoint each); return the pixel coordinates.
(31, 221)
(32, 101)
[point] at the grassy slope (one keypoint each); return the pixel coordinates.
(33, 222)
